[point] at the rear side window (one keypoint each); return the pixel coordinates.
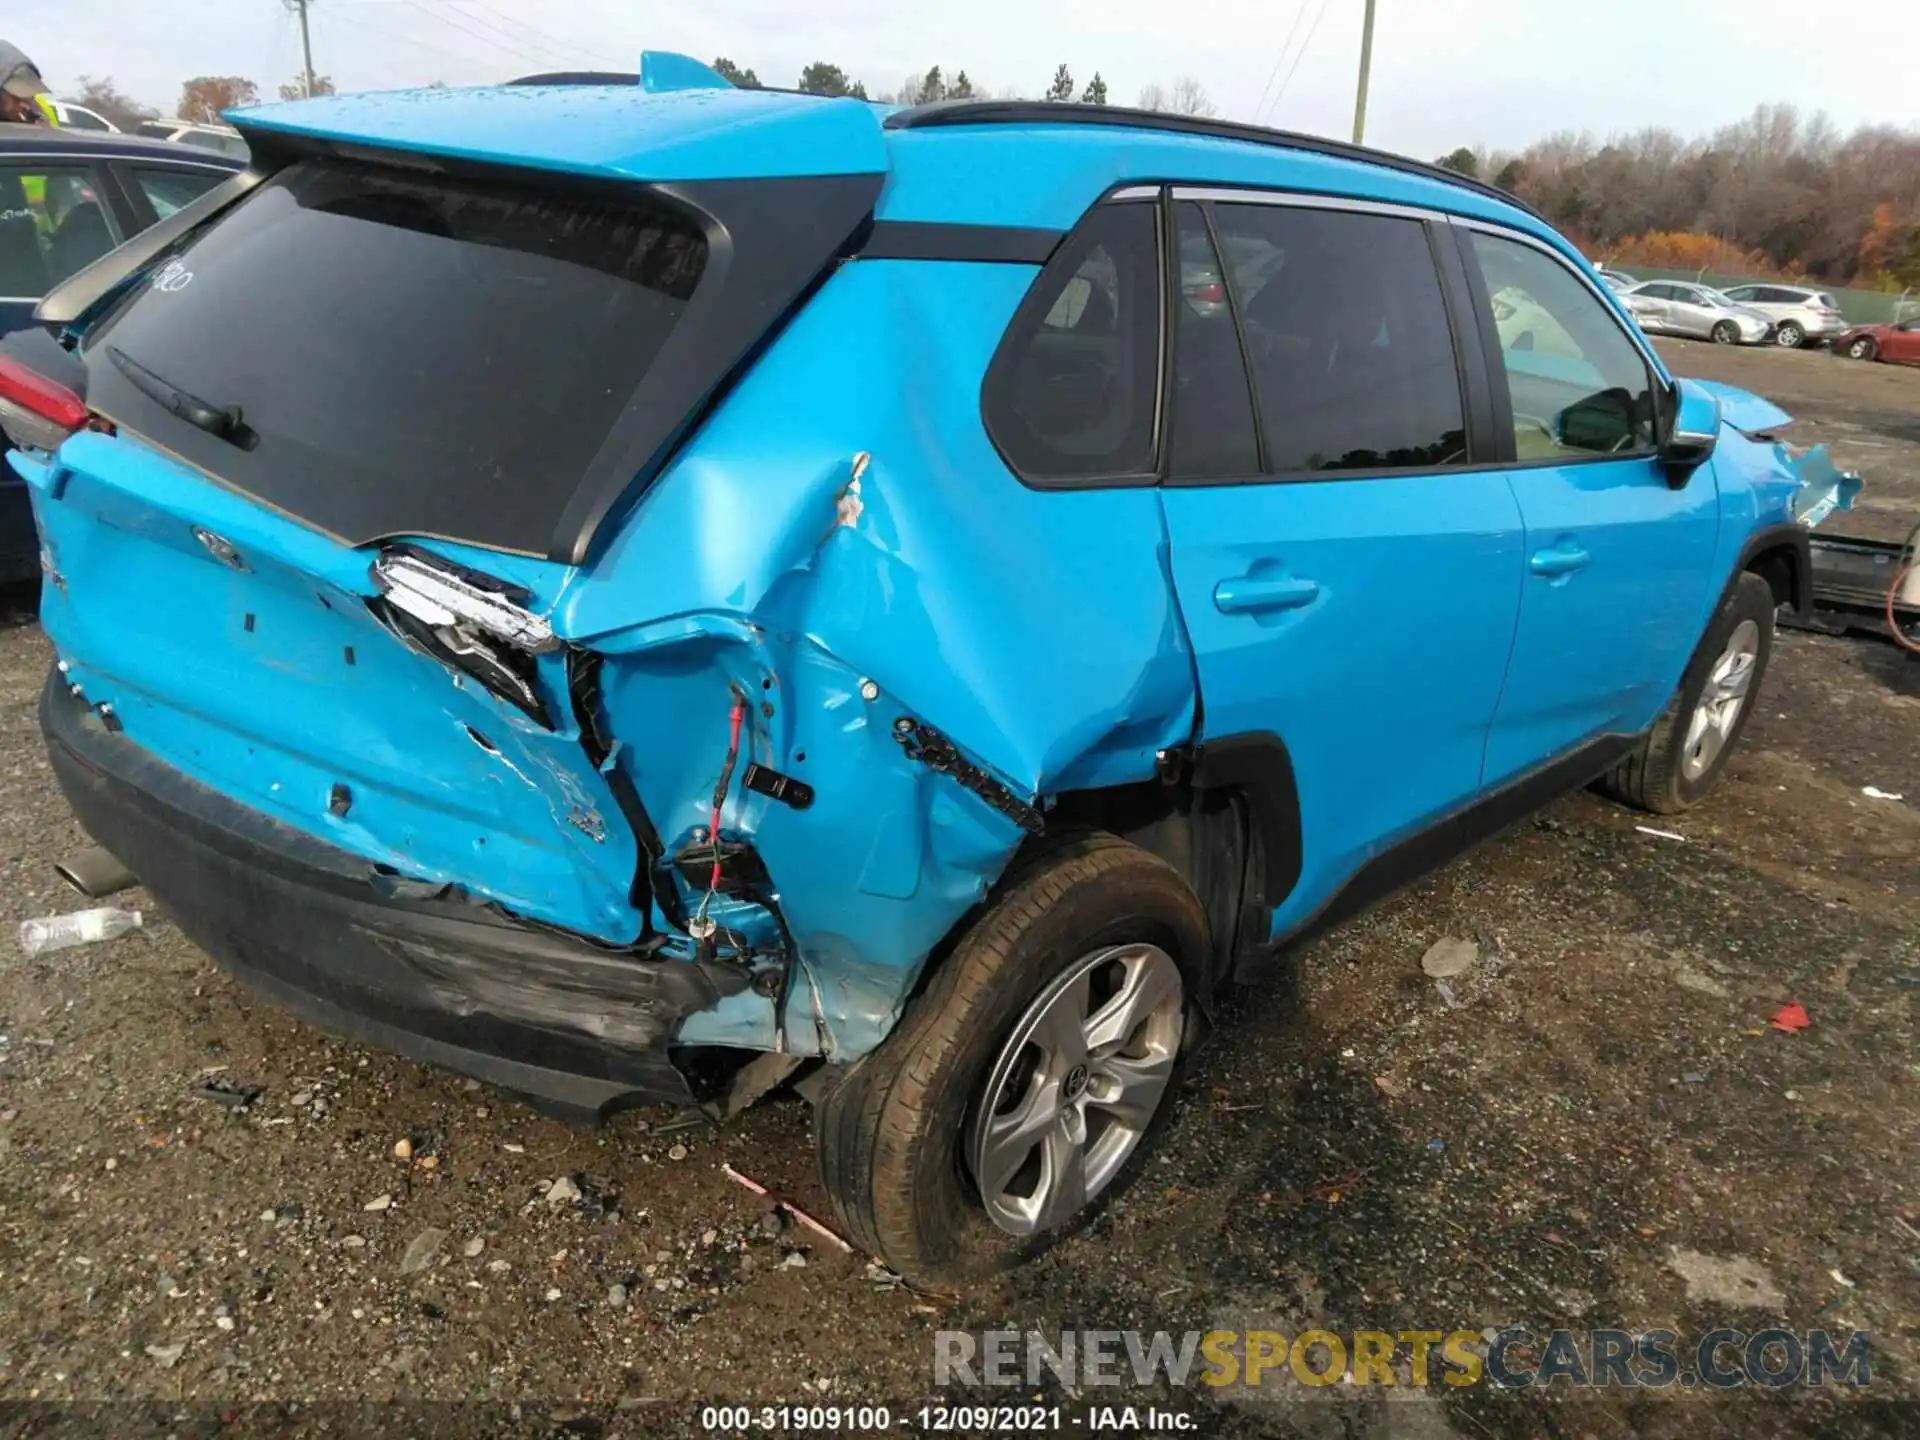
(1579, 386)
(1071, 392)
(1346, 331)
(465, 346)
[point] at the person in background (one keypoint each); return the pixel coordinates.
(21, 88)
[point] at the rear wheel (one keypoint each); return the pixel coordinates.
(1789, 336)
(1862, 349)
(1023, 1087)
(1678, 760)
(1725, 332)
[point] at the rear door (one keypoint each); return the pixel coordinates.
(1618, 563)
(57, 214)
(1349, 580)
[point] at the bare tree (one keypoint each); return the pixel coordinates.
(1190, 98)
(1154, 97)
(106, 98)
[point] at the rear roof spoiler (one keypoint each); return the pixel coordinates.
(660, 71)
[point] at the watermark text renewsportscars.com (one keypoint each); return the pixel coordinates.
(1514, 1358)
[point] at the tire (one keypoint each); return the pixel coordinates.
(893, 1135)
(1862, 349)
(1725, 332)
(1663, 774)
(1790, 336)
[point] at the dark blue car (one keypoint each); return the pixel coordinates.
(579, 581)
(67, 197)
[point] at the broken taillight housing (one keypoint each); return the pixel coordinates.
(471, 623)
(36, 413)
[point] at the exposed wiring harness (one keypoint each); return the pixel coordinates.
(736, 718)
(1909, 563)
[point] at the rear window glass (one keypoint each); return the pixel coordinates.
(470, 344)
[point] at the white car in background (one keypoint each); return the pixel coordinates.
(69, 116)
(1673, 307)
(1798, 313)
(221, 138)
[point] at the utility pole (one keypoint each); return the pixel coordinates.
(1360, 96)
(299, 7)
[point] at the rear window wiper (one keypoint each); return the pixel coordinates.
(221, 421)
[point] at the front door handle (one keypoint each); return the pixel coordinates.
(1561, 559)
(1251, 594)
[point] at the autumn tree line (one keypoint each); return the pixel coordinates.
(1776, 194)
(204, 97)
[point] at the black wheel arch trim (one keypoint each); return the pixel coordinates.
(1793, 545)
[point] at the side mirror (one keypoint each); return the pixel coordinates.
(1689, 429)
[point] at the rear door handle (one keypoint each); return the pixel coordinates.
(1562, 559)
(1251, 594)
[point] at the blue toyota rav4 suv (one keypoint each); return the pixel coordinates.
(578, 579)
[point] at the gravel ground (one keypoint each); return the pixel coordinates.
(1601, 1104)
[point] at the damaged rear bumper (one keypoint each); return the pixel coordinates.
(573, 1027)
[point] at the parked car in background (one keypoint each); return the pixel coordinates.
(1614, 279)
(69, 116)
(1675, 307)
(573, 662)
(223, 139)
(1799, 314)
(1897, 343)
(67, 197)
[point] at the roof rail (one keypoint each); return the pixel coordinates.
(1040, 112)
(579, 77)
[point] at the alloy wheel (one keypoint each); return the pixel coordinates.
(1725, 333)
(1721, 702)
(1789, 337)
(1075, 1087)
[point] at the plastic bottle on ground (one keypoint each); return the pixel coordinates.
(82, 927)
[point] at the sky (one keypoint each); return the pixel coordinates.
(1493, 73)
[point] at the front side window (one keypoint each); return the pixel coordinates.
(1579, 386)
(1347, 336)
(1072, 389)
(52, 223)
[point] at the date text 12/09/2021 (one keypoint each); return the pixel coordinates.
(941, 1419)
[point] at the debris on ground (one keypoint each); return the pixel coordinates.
(474, 1246)
(421, 1250)
(1688, 978)
(564, 1191)
(787, 1205)
(1873, 792)
(617, 1295)
(1737, 1282)
(881, 1278)
(225, 1092)
(795, 1261)
(1791, 1017)
(379, 1202)
(1659, 834)
(1454, 1002)
(82, 927)
(403, 1149)
(167, 1355)
(1449, 957)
